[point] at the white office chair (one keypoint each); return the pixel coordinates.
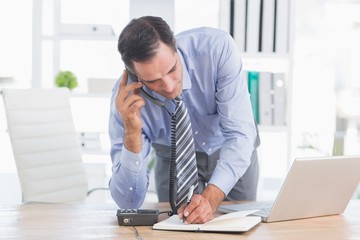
(46, 148)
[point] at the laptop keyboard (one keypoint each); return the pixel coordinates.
(262, 207)
(264, 212)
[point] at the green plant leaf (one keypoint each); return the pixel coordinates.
(66, 79)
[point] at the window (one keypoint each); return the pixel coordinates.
(79, 36)
(15, 47)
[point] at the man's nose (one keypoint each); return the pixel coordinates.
(169, 84)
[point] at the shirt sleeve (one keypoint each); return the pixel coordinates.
(236, 118)
(130, 174)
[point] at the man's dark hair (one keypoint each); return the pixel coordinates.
(140, 39)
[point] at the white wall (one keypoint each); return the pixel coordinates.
(161, 8)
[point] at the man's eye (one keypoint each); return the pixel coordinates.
(151, 82)
(173, 69)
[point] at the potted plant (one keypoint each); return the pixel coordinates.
(66, 79)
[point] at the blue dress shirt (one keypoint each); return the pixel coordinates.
(216, 94)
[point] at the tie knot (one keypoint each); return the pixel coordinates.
(177, 100)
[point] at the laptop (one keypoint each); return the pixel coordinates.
(313, 187)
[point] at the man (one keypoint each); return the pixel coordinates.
(204, 68)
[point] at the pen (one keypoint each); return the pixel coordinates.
(189, 196)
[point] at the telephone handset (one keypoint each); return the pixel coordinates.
(134, 78)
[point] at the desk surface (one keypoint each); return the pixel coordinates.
(57, 221)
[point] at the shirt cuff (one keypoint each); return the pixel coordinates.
(222, 180)
(131, 161)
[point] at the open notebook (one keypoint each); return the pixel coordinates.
(232, 222)
(313, 187)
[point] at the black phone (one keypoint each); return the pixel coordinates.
(134, 78)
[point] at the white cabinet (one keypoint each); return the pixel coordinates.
(263, 33)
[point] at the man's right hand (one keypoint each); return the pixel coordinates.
(128, 103)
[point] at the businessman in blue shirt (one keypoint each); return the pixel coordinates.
(204, 67)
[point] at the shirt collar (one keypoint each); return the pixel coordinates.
(185, 75)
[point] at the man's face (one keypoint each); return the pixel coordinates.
(163, 73)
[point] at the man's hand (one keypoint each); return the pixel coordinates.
(128, 103)
(202, 207)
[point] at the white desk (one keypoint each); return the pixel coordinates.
(57, 221)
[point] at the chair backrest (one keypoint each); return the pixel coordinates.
(46, 148)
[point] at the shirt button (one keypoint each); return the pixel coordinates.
(136, 162)
(196, 132)
(130, 188)
(210, 149)
(203, 143)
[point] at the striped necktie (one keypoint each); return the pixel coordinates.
(182, 155)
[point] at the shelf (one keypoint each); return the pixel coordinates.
(100, 151)
(6, 80)
(81, 92)
(90, 95)
(75, 37)
(270, 56)
(272, 128)
(270, 63)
